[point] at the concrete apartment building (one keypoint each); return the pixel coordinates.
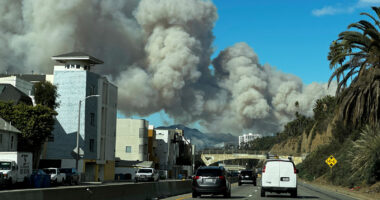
(245, 138)
(76, 82)
(132, 139)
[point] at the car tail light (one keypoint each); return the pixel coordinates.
(263, 169)
(196, 177)
(295, 170)
(221, 177)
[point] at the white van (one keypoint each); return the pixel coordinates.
(279, 175)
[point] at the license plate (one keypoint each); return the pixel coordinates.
(284, 178)
(209, 180)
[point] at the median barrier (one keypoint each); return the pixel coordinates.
(114, 191)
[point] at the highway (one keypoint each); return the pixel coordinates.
(305, 191)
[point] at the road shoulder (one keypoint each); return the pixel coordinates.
(359, 194)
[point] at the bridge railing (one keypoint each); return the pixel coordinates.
(232, 151)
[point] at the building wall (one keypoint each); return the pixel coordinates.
(66, 126)
(6, 141)
(152, 146)
(97, 136)
(167, 151)
(132, 133)
(108, 110)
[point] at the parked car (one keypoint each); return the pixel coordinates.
(56, 176)
(247, 176)
(72, 175)
(146, 174)
(211, 180)
(280, 176)
(2, 180)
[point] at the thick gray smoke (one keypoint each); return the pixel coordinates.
(158, 54)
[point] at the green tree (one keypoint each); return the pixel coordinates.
(35, 123)
(45, 93)
(355, 59)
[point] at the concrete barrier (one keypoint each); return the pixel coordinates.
(119, 191)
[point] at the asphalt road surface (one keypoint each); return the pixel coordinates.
(248, 191)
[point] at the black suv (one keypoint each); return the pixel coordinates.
(211, 180)
(247, 176)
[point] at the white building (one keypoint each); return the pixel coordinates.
(245, 138)
(167, 150)
(97, 118)
(132, 139)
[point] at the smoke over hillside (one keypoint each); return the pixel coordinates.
(158, 54)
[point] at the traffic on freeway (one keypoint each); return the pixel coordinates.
(249, 191)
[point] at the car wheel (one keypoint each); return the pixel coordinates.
(239, 183)
(254, 184)
(194, 195)
(262, 194)
(294, 193)
(136, 180)
(227, 194)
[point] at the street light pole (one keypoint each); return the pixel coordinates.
(78, 132)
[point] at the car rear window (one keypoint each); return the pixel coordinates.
(246, 173)
(209, 172)
(145, 170)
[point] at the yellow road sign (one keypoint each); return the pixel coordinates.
(331, 161)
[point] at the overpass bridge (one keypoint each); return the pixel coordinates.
(218, 156)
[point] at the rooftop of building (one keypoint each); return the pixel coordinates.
(27, 77)
(76, 56)
(9, 93)
(6, 126)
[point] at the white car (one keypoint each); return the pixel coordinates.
(146, 174)
(280, 176)
(56, 176)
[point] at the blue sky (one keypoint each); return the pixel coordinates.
(291, 35)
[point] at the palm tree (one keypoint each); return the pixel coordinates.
(355, 59)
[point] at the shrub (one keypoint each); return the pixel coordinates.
(365, 155)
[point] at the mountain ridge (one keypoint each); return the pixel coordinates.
(204, 140)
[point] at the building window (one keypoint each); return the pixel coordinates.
(141, 148)
(92, 145)
(128, 149)
(11, 142)
(92, 90)
(92, 119)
